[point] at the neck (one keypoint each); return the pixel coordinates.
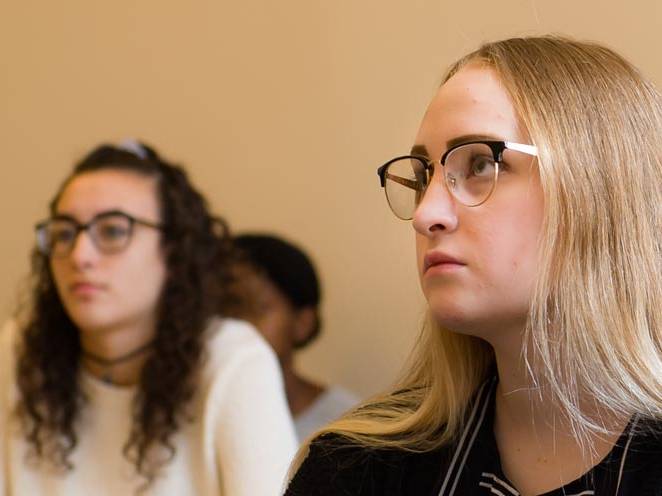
(300, 392)
(526, 405)
(118, 354)
(532, 430)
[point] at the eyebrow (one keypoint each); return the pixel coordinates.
(62, 216)
(103, 213)
(420, 149)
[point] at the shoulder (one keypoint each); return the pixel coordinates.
(228, 340)
(341, 398)
(241, 395)
(642, 463)
(330, 405)
(335, 465)
(234, 347)
(646, 438)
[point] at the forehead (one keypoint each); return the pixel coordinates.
(472, 102)
(91, 193)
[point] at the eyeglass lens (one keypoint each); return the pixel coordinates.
(406, 180)
(109, 233)
(470, 173)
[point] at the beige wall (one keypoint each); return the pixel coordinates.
(281, 112)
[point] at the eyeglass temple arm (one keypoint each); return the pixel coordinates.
(519, 147)
(146, 223)
(416, 186)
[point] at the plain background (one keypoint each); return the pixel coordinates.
(281, 112)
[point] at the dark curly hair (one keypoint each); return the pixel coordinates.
(198, 253)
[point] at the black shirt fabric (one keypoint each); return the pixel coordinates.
(471, 466)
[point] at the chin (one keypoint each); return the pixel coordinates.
(455, 316)
(91, 319)
(489, 326)
(459, 324)
(450, 302)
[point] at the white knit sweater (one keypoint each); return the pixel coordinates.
(240, 443)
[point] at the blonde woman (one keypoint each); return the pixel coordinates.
(535, 188)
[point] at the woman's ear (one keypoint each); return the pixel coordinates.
(304, 325)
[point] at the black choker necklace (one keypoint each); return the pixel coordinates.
(109, 362)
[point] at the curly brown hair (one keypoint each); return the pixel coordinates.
(198, 253)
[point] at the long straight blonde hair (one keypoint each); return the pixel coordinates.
(595, 321)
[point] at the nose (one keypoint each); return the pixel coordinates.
(83, 253)
(436, 212)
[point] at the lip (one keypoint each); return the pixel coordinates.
(85, 288)
(440, 261)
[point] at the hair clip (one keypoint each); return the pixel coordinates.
(133, 146)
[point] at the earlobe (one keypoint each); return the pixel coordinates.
(304, 324)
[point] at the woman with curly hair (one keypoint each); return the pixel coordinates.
(535, 189)
(121, 378)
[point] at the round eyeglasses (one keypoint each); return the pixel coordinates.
(471, 171)
(109, 231)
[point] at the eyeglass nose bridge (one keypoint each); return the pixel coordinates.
(80, 228)
(430, 175)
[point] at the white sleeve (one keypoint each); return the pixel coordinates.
(254, 434)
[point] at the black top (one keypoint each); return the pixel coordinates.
(471, 465)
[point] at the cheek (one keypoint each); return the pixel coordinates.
(58, 273)
(421, 248)
(62, 275)
(274, 327)
(276, 324)
(142, 277)
(509, 249)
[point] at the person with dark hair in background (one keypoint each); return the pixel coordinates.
(280, 292)
(121, 378)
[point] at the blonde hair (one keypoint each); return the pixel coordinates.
(595, 318)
